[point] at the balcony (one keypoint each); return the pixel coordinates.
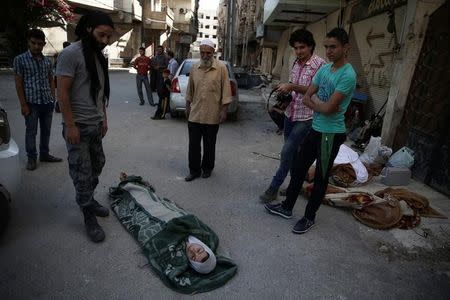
(159, 20)
(285, 13)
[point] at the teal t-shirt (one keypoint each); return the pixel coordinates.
(343, 80)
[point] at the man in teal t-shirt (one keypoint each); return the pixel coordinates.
(329, 96)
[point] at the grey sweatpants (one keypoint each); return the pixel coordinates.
(86, 161)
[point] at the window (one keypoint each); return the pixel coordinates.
(207, 26)
(215, 18)
(201, 25)
(208, 17)
(207, 36)
(214, 27)
(214, 36)
(200, 34)
(201, 16)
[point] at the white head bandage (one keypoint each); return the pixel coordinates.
(206, 266)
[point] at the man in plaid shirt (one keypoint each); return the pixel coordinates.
(36, 92)
(298, 117)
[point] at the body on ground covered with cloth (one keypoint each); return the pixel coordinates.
(167, 234)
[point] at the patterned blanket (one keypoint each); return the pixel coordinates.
(161, 228)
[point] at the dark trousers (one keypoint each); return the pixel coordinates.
(86, 161)
(41, 114)
(163, 106)
(311, 150)
(294, 134)
(143, 79)
(208, 132)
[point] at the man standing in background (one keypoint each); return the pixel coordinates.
(158, 64)
(35, 89)
(208, 96)
(173, 64)
(142, 65)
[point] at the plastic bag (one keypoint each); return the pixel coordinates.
(384, 153)
(402, 158)
(371, 152)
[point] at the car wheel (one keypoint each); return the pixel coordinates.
(4, 209)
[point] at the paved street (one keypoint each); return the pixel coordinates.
(46, 254)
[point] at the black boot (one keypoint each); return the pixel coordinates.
(94, 231)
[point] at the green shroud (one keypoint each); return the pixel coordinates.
(161, 228)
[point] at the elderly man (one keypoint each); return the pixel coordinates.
(208, 96)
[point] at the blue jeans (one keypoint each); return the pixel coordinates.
(41, 114)
(294, 134)
(144, 79)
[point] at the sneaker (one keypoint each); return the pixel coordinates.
(141, 103)
(302, 226)
(50, 158)
(277, 209)
(283, 192)
(93, 229)
(31, 164)
(99, 210)
(269, 195)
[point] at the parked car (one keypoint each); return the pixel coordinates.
(179, 86)
(9, 173)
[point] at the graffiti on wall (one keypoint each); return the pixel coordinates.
(377, 69)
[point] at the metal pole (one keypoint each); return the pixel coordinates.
(144, 9)
(231, 34)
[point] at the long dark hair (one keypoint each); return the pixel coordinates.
(90, 49)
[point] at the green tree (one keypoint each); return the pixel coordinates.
(20, 15)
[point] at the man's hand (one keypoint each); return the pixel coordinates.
(104, 128)
(25, 109)
(73, 134)
(223, 116)
(307, 101)
(285, 88)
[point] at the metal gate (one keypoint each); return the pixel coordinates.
(425, 124)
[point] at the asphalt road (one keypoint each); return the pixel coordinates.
(46, 255)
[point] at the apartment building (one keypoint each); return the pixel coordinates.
(207, 29)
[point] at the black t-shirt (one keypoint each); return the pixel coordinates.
(164, 90)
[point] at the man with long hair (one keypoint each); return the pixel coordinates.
(36, 92)
(334, 84)
(83, 87)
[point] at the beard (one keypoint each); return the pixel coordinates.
(94, 43)
(206, 63)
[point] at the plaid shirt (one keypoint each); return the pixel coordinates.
(35, 75)
(302, 74)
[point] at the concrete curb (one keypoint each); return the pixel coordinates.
(6, 71)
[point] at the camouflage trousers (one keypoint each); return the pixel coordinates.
(86, 161)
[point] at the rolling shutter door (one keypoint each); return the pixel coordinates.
(372, 55)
